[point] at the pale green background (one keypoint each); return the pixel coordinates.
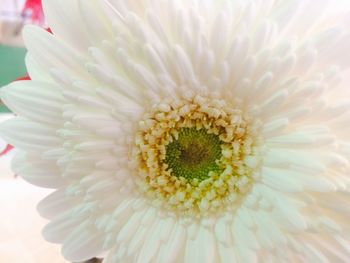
(11, 66)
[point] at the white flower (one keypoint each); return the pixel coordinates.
(188, 130)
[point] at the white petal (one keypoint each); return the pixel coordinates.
(173, 250)
(130, 228)
(281, 181)
(60, 227)
(37, 101)
(151, 247)
(244, 237)
(223, 232)
(50, 52)
(94, 18)
(39, 172)
(56, 204)
(37, 137)
(82, 244)
(35, 71)
(66, 22)
(202, 248)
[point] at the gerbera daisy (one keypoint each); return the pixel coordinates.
(188, 130)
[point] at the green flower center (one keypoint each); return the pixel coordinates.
(196, 156)
(193, 154)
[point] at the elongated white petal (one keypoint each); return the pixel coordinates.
(34, 171)
(38, 101)
(82, 244)
(41, 46)
(66, 22)
(35, 71)
(56, 204)
(202, 248)
(28, 135)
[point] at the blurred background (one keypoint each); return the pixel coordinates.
(12, 52)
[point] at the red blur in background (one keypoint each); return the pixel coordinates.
(33, 11)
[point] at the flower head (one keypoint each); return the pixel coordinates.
(188, 130)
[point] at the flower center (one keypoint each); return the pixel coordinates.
(194, 154)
